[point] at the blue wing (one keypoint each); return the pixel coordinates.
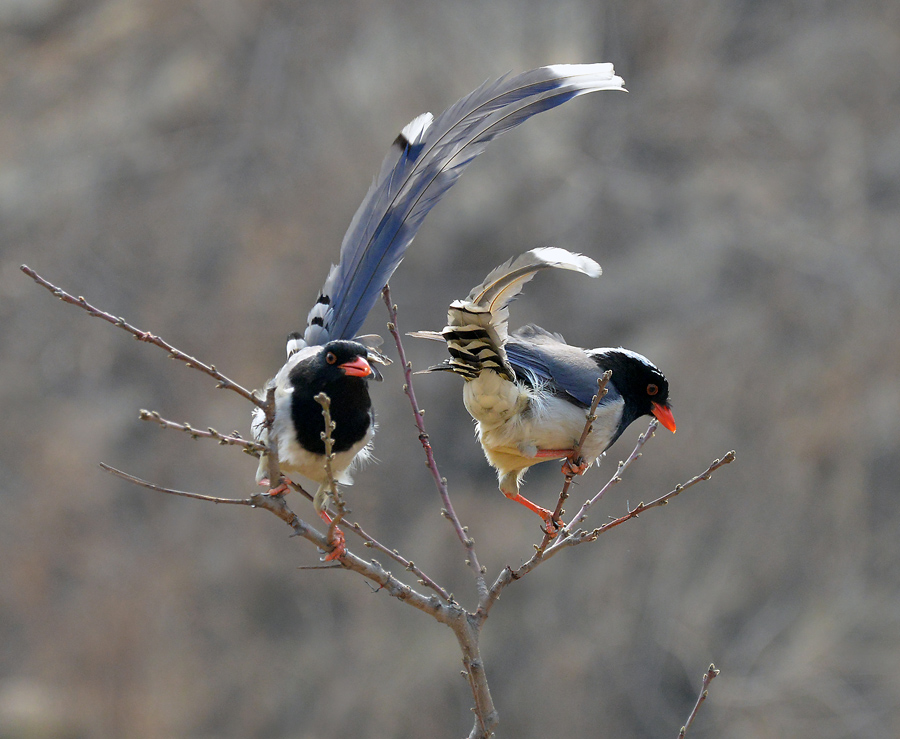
(539, 355)
(424, 162)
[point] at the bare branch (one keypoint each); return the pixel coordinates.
(440, 482)
(409, 565)
(509, 574)
(577, 459)
(232, 439)
(660, 501)
(146, 336)
(710, 675)
(180, 493)
(615, 479)
(273, 469)
(486, 716)
(323, 400)
(449, 614)
(441, 605)
(467, 630)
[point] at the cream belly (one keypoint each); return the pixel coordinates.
(514, 423)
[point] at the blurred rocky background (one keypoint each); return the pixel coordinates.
(192, 166)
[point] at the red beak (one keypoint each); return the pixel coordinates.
(664, 415)
(358, 367)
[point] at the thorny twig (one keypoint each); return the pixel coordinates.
(209, 369)
(440, 482)
(710, 675)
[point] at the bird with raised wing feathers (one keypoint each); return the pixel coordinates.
(530, 392)
(425, 160)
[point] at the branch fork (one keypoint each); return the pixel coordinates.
(440, 604)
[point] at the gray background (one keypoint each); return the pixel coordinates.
(192, 166)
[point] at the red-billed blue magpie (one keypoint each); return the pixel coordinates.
(529, 392)
(425, 160)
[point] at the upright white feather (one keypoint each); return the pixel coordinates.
(487, 306)
(506, 281)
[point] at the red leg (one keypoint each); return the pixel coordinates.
(338, 541)
(553, 527)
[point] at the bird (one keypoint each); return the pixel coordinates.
(424, 161)
(529, 391)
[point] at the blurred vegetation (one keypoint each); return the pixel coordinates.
(192, 166)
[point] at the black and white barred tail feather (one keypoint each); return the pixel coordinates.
(425, 160)
(477, 329)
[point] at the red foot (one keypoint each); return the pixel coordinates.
(280, 490)
(337, 541)
(551, 527)
(571, 469)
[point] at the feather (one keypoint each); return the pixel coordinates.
(425, 160)
(505, 282)
(430, 335)
(476, 333)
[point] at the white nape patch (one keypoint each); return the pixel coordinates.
(294, 345)
(626, 352)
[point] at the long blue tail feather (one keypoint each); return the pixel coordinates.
(423, 163)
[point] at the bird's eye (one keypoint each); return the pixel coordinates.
(652, 389)
(330, 358)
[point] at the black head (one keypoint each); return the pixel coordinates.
(339, 359)
(339, 369)
(643, 387)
